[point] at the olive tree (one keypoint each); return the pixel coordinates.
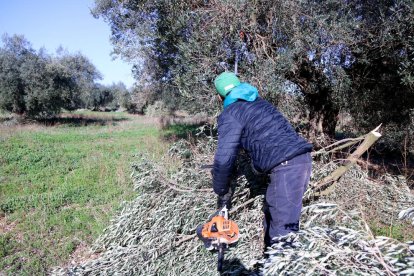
(311, 58)
(36, 84)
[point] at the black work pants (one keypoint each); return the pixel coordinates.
(288, 182)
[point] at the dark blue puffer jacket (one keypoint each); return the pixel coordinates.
(262, 131)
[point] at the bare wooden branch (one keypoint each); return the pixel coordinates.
(351, 141)
(175, 186)
(369, 140)
(179, 188)
(241, 205)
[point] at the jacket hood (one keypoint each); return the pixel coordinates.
(244, 91)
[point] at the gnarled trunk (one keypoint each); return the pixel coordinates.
(318, 95)
(323, 115)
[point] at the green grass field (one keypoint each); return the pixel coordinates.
(60, 183)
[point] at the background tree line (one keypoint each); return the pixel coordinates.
(315, 60)
(36, 84)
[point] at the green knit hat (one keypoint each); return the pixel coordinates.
(225, 82)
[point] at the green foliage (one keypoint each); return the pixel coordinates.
(107, 97)
(6, 245)
(157, 109)
(406, 69)
(38, 85)
(12, 57)
(381, 92)
(327, 57)
(174, 196)
(138, 99)
(181, 131)
(82, 74)
(60, 185)
(396, 230)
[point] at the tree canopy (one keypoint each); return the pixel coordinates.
(329, 56)
(36, 84)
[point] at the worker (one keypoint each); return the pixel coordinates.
(252, 123)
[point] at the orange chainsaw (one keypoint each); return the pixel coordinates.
(218, 234)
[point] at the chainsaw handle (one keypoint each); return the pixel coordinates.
(220, 258)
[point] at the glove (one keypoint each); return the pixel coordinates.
(224, 200)
(207, 242)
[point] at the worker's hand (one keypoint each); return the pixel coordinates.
(207, 242)
(224, 200)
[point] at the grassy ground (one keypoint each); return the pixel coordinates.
(60, 182)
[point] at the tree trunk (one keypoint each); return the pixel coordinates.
(323, 116)
(318, 95)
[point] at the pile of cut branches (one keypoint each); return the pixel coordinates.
(154, 234)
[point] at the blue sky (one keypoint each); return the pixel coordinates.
(50, 23)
